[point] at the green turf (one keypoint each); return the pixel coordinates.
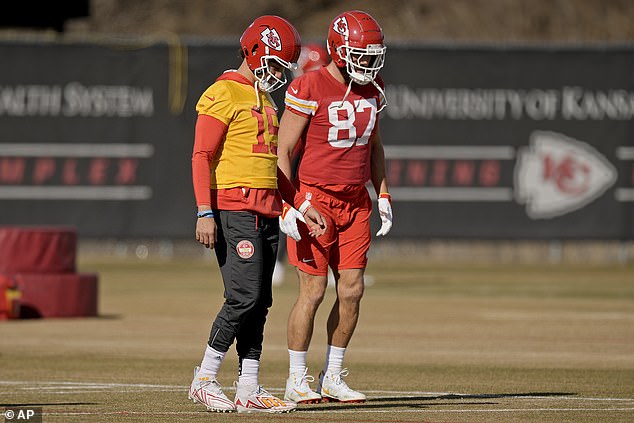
(552, 343)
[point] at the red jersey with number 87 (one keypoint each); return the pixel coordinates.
(336, 147)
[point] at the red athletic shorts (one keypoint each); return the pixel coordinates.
(345, 244)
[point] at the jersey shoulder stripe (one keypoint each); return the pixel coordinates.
(307, 107)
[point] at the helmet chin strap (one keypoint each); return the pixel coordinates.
(256, 87)
(268, 95)
(382, 95)
(347, 92)
(258, 105)
(377, 86)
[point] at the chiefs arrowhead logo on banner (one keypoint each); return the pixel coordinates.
(556, 175)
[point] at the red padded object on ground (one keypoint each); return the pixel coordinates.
(37, 249)
(61, 295)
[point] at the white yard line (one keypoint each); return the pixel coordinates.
(67, 387)
(358, 410)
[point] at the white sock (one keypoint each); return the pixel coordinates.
(334, 358)
(211, 363)
(297, 361)
(249, 370)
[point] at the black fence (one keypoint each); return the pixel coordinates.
(481, 142)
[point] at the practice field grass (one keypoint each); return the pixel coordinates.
(434, 344)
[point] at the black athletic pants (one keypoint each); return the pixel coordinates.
(246, 251)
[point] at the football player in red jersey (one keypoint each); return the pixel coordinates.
(334, 114)
(312, 57)
(237, 186)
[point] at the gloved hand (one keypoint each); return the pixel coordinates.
(385, 211)
(288, 221)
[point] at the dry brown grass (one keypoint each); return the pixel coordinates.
(434, 344)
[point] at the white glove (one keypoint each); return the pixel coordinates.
(288, 221)
(385, 211)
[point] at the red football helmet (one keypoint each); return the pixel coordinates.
(313, 56)
(270, 38)
(355, 41)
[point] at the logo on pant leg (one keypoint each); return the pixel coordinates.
(245, 249)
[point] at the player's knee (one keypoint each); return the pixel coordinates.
(350, 293)
(312, 290)
(313, 297)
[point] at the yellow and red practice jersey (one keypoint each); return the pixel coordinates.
(248, 155)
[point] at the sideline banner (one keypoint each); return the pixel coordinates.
(99, 135)
(511, 143)
(481, 142)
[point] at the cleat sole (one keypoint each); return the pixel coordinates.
(353, 401)
(265, 411)
(219, 410)
(310, 401)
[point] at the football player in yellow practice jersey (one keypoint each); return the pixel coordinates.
(239, 190)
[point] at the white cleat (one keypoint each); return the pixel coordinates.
(208, 392)
(255, 399)
(333, 388)
(298, 390)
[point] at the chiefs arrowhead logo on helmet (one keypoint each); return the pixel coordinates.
(271, 38)
(340, 26)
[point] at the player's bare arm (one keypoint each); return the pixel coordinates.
(377, 163)
(377, 166)
(291, 127)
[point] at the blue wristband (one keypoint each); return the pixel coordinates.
(206, 213)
